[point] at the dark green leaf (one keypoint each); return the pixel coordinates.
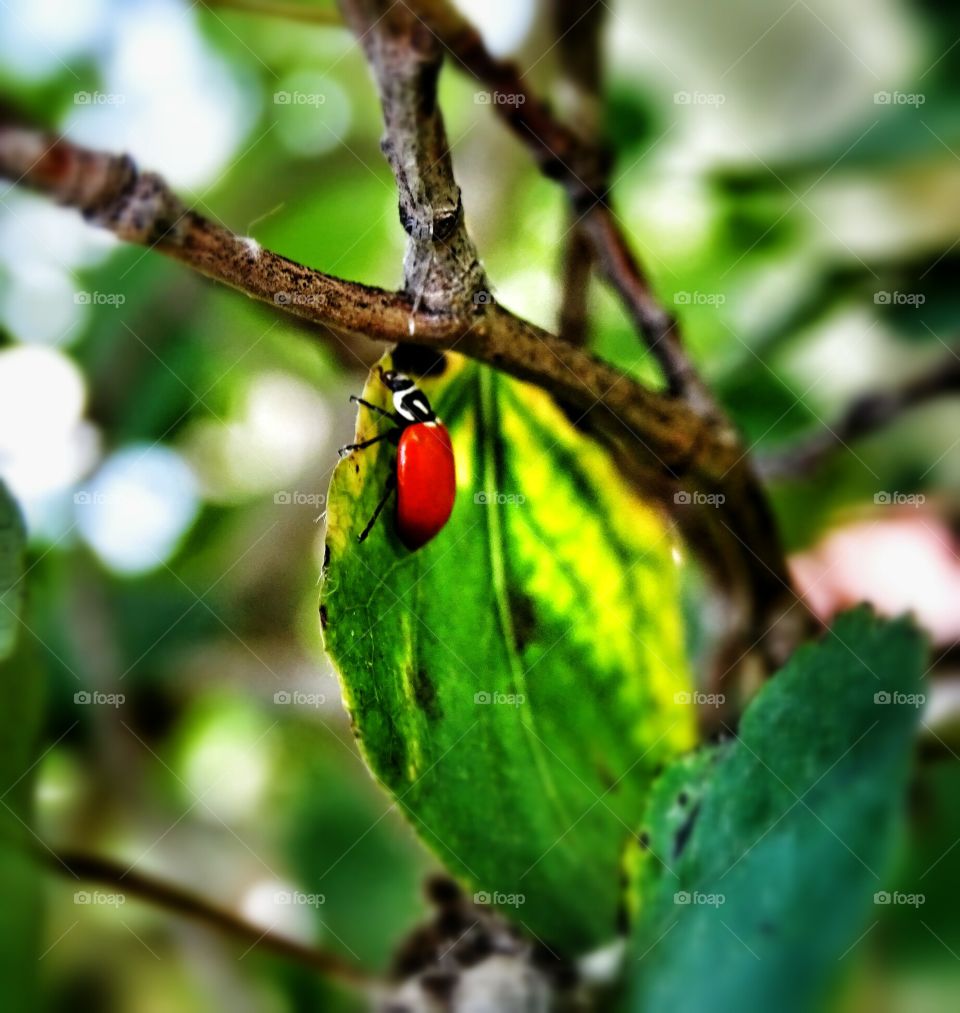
(763, 853)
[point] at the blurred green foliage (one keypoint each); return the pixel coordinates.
(21, 926)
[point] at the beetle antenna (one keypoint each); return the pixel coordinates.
(374, 408)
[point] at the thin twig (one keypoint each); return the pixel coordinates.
(573, 323)
(866, 415)
(180, 901)
(577, 25)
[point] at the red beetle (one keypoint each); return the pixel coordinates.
(425, 476)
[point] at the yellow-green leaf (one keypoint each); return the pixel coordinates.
(514, 683)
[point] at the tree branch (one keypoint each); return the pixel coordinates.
(582, 168)
(179, 901)
(441, 269)
(667, 449)
(736, 534)
(865, 415)
(139, 207)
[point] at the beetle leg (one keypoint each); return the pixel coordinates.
(366, 443)
(390, 484)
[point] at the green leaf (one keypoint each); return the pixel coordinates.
(20, 691)
(759, 857)
(12, 540)
(513, 684)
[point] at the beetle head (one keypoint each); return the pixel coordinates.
(393, 380)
